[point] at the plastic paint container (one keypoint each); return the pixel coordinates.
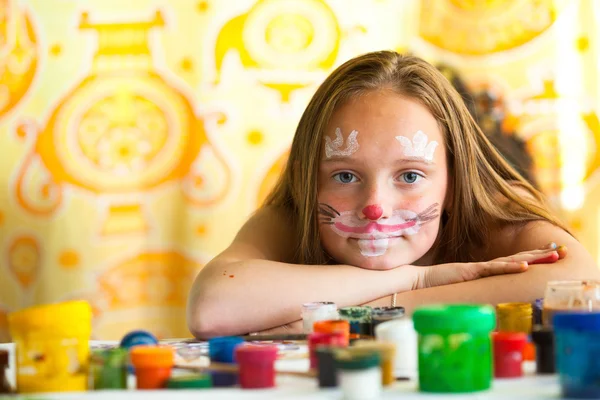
(4, 361)
(331, 326)
(577, 346)
(199, 381)
(514, 317)
(384, 314)
(387, 353)
(565, 296)
(317, 311)
(359, 375)
(153, 365)
(538, 307)
(137, 338)
(455, 351)
(52, 346)
(402, 333)
(508, 353)
(327, 373)
(316, 339)
(360, 319)
(222, 349)
(109, 368)
(257, 366)
(543, 338)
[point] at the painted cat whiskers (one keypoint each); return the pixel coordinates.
(373, 236)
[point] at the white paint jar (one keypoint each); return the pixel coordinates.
(402, 333)
(359, 375)
(317, 311)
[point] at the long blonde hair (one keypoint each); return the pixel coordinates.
(477, 182)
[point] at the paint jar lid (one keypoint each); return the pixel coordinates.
(68, 317)
(523, 309)
(577, 321)
(136, 338)
(454, 318)
(148, 356)
(356, 313)
(221, 349)
(315, 305)
(388, 312)
(332, 325)
(4, 358)
(386, 350)
(256, 353)
(190, 382)
(542, 335)
(348, 359)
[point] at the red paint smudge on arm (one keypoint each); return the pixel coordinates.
(552, 258)
(231, 276)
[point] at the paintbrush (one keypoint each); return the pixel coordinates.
(283, 337)
(234, 368)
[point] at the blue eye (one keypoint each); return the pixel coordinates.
(410, 177)
(344, 177)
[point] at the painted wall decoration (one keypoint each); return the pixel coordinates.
(136, 137)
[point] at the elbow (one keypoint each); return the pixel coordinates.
(206, 319)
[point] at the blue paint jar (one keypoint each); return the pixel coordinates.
(136, 338)
(577, 346)
(222, 350)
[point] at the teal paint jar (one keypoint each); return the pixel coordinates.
(455, 349)
(359, 318)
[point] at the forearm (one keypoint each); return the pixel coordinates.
(237, 297)
(524, 287)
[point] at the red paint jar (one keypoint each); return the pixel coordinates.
(257, 366)
(508, 353)
(153, 365)
(337, 339)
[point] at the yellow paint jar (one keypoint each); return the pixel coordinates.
(514, 317)
(52, 346)
(386, 351)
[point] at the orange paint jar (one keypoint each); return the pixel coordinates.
(333, 326)
(153, 365)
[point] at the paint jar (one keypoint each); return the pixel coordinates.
(455, 351)
(577, 346)
(514, 317)
(137, 338)
(109, 368)
(52, 346)
(334, 326)
(360, 319)
(402, 333)
(564, 296)
(508, 354)
(197, 381)
(152, 365)
(327, 373)
(4, 362)
(317, 311)
(257, 366)
(384, 314)
(359, 374)
(543, 337)
(316, 339)
(387, 353)
(222, 350)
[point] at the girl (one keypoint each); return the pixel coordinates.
(391, 194)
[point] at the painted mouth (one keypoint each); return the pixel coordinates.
(374, 228)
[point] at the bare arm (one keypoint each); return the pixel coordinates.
(511, 288)
(253, 285)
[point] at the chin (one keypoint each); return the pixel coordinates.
(377, 263)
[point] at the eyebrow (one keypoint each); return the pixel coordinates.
(404, 160)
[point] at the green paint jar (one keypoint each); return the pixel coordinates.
(455, 350)
(109, 368)
(359, 318)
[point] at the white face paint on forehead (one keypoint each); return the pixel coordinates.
(418, 147)
(334, 147)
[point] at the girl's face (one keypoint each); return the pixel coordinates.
(382, 182)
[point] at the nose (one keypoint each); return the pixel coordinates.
(373, 212)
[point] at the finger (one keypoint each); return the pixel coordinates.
(529, 256)
(562, 252)
(550, 245)
(536, 251)
(491, 268)
(549, 259)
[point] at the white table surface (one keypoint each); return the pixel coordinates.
(528, 387)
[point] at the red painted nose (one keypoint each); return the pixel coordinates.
(373, 211)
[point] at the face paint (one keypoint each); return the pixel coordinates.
(418, 147)
(373, 237)
(334, 147)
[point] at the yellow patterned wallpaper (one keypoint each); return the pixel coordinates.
(137, 136)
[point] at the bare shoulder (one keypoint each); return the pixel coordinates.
(269, 234)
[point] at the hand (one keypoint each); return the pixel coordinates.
(446, 274)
